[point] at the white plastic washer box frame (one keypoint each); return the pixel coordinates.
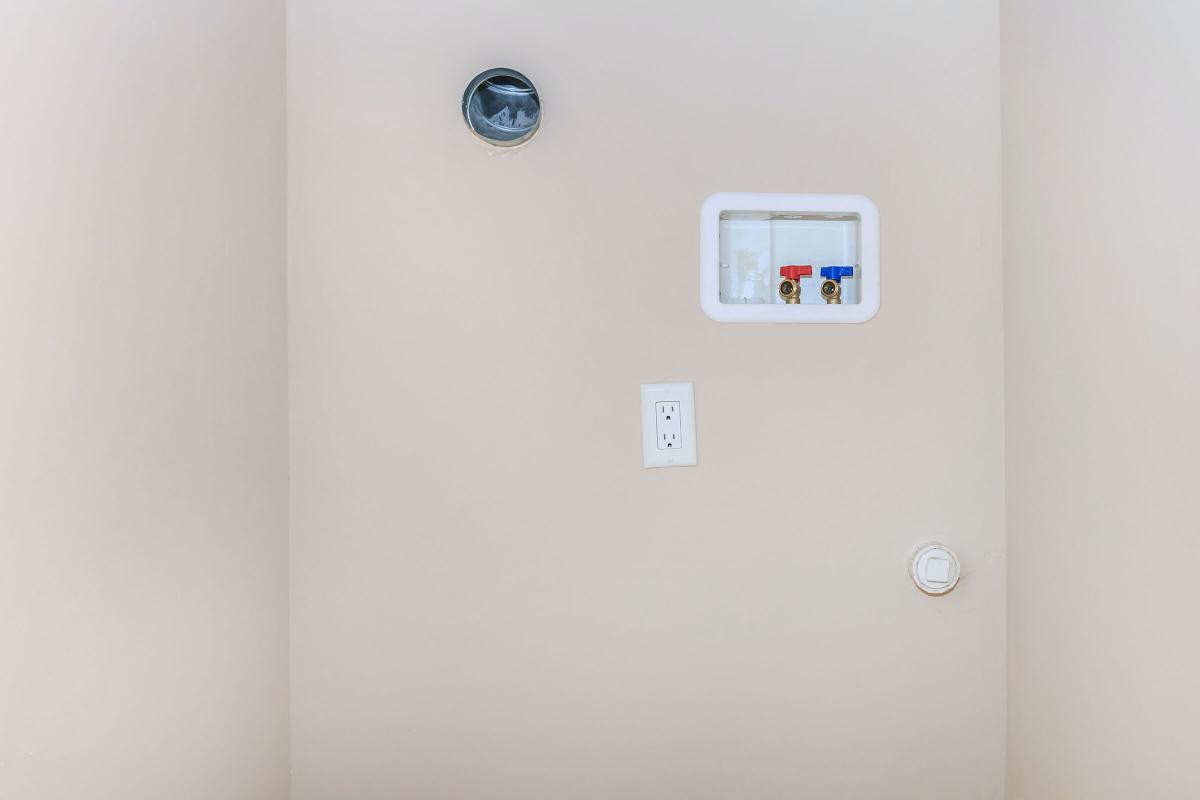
(710, 257)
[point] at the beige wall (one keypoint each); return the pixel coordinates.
(1101, 164)
(490, 596)
(143, 459)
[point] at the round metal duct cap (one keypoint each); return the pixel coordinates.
(502, 107)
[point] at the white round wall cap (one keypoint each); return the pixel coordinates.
(935, 569)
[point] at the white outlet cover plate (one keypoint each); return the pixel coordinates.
(683, 394)
(805, 204)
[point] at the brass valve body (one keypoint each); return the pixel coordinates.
(831, 290)
(789, 290)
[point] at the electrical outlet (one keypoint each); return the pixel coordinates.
(668, 425)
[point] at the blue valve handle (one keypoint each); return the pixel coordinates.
(837, 273)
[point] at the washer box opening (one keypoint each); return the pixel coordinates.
(789, 258)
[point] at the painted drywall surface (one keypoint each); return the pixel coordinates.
(1100, 167)
(490, 596)
(143, 556)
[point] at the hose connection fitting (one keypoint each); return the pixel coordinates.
(789, 287)
(831, 287)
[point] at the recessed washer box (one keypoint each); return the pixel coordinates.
(825, 245)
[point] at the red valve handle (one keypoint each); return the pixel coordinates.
(795, 271)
